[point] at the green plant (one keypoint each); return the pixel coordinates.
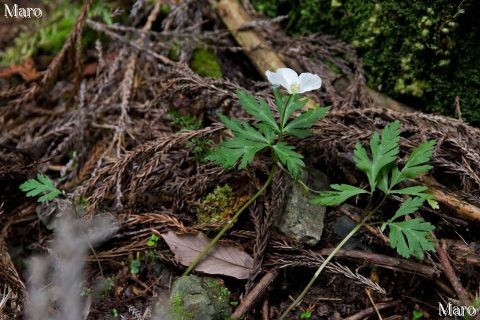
(408, 236)
(135, 265)
(199, 147)
(267, 133)
(306, 315)
(417, 315)
(42, 185)
(186, 122)
(152, 242)
(115, 313)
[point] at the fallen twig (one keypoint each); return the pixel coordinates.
(369, 311)
(449, 272)
(254, 294)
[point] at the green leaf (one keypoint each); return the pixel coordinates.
(243, 129)
(419, 192)
(433, 203)
(408, 206)
(42, 185)
(260, 111)
(267, 131)
(135, 267)
(287, 156)
(234, 150)
(411, 237)
(384, 152)
(246, 142)
(300, 125)
(415, 165)
(384, 149)
(151, 243)
(362, 161)
(287, 105)
(342, 193)
(383, 179)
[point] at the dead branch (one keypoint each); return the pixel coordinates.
(369, 311)
(451, 275)
(257, 292)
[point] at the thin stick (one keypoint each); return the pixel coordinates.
(254, 295)
(373, 304)
(227, 226)
(320, 269)
(447, 267)
(367, 312)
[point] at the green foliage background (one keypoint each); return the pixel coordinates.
(422, 52)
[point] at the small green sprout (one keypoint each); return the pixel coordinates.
(417, 315)
(135, 266)
(152, 242)
(306, 315)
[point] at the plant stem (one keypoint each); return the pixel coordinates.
(368, 213)
(227, 226)
(322, 266)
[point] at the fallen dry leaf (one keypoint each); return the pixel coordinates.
(228, 261)
(26, 70)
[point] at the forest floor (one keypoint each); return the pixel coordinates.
(122, 123)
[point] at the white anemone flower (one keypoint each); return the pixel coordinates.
(294, 83)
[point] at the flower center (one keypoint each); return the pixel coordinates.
(294, 88)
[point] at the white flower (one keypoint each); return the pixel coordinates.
(294, 83)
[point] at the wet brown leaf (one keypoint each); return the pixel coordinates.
(228, 261)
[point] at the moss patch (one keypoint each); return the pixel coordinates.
(423, 53)
(218, 206)
(193, 298)
(51, 33)
(205, 63)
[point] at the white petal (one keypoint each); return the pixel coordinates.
(275, 79)
(308, 82)
(289, 77)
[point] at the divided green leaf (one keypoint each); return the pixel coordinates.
(288, 105)
(411, 237)
(415, 165)
(287, 156)
(299, 126)
(243, 130)
(408, 206)
(342, 193)
(261, 111)
(41, 185)
(234, 150)
(384, 152)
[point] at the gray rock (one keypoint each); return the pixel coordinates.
(193, 298)
(300, 219)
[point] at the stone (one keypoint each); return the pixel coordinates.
(300, 219)
(193, 298)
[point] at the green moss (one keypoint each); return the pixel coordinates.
(423, 53)
(177, 310)
(193, 298)
(205, 63)
(50, 34)
(218, 206)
